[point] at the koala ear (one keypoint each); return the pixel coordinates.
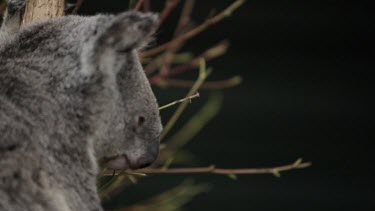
(129, 30)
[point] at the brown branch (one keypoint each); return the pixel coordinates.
(42, 9)
(139, 5)
(213, 170)
(190, 129)
(184, 17)
(203, 74)
(179, 101)
(78, 6)
(154, 65)
(146, 6)
(211, 53)
(208, 85)
(169, 6)
(172, 49)
(225, 13)
(2, 8)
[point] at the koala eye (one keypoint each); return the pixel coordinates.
(141, 120)
(125, 50)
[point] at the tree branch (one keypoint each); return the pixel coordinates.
(213, 170)
(179, 101)
(2, 8)
(42, 9)
(146, 6)
(138, 5)
(181, 27)
(169, 5)
(208, 85)
(78, 6)
(203, 74)
(227, 12)
(209, 54)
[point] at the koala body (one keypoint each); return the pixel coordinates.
(72, 94)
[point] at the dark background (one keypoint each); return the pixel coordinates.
(306, 93)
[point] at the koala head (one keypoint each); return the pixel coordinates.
(130, 139)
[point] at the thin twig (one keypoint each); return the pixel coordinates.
(184, 17)
(181, 26)
(2, 8)
(208, 85)
(169, 6)
(209, 54)
(190, 129)
(213, 170)
(216, 51)
(139, 5)
(154, 64)
(225, 13)
(78, 6)
(189, 98)
(146, 6)
(203, 74)
(167, 58)
(130, 4)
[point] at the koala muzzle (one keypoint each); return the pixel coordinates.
(149, 158)
(124, 162)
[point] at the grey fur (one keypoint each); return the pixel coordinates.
(72, 94)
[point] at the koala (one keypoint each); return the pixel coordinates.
(73, 98)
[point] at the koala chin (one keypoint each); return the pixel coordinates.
(73, 95)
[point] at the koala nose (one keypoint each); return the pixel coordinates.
(149, 158)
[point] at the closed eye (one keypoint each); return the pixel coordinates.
(124, 51)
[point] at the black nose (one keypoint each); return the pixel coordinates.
(150, 156)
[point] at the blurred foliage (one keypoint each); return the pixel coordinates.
(173, 199)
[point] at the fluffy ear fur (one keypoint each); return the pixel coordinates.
(131, 30)
(12, 19)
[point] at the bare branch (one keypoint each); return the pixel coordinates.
(184, 17)
(189, 98)
(78, 6)
(139, 5)
(208, 85)
(191, 128)
(146, 6)
(169, 6)
(211, 53)
(227, 12)
(2, 8)
(203, 74)
(181, 27)
(213, 170)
